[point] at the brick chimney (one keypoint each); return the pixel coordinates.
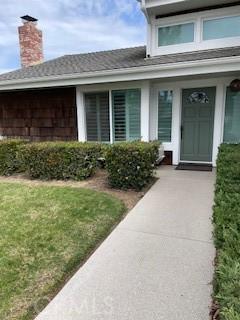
(30, 39)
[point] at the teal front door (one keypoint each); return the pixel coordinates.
(198, 107)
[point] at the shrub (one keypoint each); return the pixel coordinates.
(60, 160)
(227, 232)
(131, 165)
(9, 162)
(102, 158)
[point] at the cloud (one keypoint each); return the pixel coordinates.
(71, 26)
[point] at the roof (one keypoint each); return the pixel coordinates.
(110, 61)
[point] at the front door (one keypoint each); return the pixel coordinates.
(198, 107)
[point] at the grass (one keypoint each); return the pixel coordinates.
(45, 234)
(227, 233)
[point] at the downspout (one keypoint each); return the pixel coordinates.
(149, 27)
(144, 9)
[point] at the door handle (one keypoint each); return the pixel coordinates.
(182, 128)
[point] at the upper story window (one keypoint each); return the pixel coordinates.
(226, 27)
(176, 34)
(210, 29)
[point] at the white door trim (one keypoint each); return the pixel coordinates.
(215, 108)
(177, 86)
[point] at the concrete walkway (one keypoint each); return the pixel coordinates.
(156, 265)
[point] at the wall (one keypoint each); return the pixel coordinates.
(177, 86)
(199, 44)
(39, 115)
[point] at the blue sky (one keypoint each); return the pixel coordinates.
(71, 26)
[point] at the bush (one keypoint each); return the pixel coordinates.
(102, 158)
(9, 162)
(130, 165)
(227, 232)
(60, 160)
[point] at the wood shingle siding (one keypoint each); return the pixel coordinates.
(39, 115)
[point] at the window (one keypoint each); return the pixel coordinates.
(198, 97)
(177, 34)
(97, 116)
(126, 115)
(165, 100)
(226, 27)
(232, 117)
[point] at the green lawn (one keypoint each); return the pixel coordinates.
(45, 233)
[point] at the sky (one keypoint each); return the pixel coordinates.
(71, 26)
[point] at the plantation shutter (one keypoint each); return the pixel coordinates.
(119, 115)
(97, 116)
(127, 115)
(232, 117)
(165, 100)
(134, 114)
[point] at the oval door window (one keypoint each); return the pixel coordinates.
(198, 97)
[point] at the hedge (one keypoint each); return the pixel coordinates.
(9, 162)
(60, 160)
(130, 165)
(227, 232)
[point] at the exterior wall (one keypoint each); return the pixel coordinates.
(149, 109)
(177, 87)
(39, 115)
(55, 114)
(198, 44)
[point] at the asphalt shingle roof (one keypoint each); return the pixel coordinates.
(111, 60)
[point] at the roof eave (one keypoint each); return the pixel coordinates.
(206, 66)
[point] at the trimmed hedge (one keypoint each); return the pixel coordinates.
(227, 232)
(60, 160)
(9, 161)
(130, 165)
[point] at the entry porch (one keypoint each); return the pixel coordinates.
(190, 116)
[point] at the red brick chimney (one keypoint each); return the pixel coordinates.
(30, 39)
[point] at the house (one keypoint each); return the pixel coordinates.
(182, 88)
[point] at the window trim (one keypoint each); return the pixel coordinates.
(224, 116)
(127, 123)
(85, 114)
(177, 24)
(216, 18)
(156, 100)
(199, 43)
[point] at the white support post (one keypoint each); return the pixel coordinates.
(145, 111)
(218, 120)
(81, 118)
(111, 116)
(176, 125)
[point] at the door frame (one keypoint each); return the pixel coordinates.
(176, 85)
(181, 118)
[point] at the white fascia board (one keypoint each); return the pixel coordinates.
(160, 71)
(157, 3)
(144, 10)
